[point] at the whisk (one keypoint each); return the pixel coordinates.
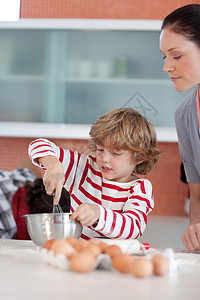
(56, 207)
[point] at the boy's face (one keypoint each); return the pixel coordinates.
(115, 165)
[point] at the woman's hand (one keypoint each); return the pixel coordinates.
(54, 176)
(86, 214)
(191, 237)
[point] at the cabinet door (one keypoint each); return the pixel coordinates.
(74, 76)
(22, 57)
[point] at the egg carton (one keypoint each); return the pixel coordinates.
(103, 261)
(60, 261)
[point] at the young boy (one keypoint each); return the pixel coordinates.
(107, 197)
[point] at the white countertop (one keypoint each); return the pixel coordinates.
(87, 24)
(67, 131)
(24, 276)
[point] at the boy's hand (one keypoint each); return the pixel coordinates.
(54, 176)
(53, 185)
(86, 214)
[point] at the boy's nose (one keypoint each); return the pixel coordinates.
(106, 157)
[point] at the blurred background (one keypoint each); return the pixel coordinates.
(65, 63)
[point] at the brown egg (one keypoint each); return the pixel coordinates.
(82, 262)
(72, 240)
(48, 244)
(62, 246)
(142, 267)
(95, 241)
(103, 246)
(80, 244)
(94, 249)
(123, 262)
(160, 264)
(113, 250)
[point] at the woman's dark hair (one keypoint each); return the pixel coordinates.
(186, 21)
(38, 200)
(183, 175)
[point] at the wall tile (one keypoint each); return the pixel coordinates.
(169, 191)
(100, 9)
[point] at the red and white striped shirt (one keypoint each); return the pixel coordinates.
(123, 206)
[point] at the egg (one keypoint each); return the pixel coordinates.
(94, 249)
(95, 241)
(80, 244)
(103, 246)
(142, 267)
(113, 250)
(82, 262)
(160, 264)
(71, 240)
(98, 241)
(48, 244)
(62, 246)
(123, 262)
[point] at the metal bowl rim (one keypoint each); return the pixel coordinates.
(47, 214)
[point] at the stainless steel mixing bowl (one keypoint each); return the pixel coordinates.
(43, 227)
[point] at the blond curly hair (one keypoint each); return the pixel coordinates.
(126, 129)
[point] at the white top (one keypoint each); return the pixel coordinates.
(24, 276)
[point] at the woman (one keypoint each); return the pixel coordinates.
(180, 44)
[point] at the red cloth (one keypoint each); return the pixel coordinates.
(20, 208)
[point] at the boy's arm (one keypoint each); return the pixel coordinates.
(131, 222)
(42, 152)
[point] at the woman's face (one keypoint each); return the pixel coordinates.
(182, 59)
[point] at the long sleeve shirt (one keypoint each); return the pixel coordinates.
(188, 136)
(123, 206)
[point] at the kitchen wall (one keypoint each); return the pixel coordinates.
(169, 191)
(100, 9)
